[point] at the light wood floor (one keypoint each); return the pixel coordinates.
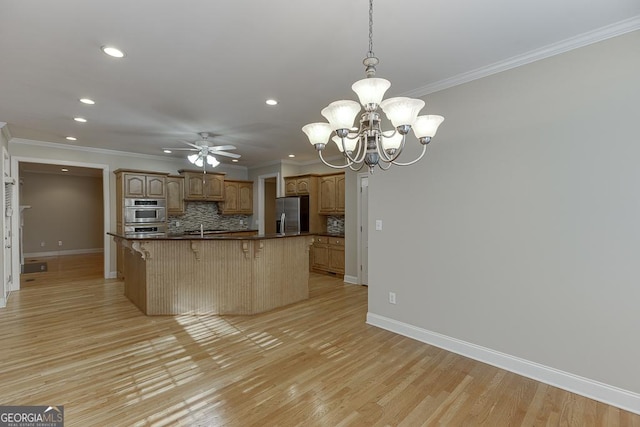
(82, 344)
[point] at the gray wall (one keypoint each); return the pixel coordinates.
(63, 208)
(520, 231)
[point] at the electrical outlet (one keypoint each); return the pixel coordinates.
(392, 297)
(178, 223)
(59, 242)
(241, 222)
(42, 244)
(378, 224)
(335, 223)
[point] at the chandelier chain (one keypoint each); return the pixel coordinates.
(370, 54)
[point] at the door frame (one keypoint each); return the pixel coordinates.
(261, 179)
(361, 227)
(106, 206)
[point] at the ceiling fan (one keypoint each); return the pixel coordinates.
(203, 152)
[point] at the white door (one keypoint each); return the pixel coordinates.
(364, 229)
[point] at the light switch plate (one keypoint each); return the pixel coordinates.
(378, 224)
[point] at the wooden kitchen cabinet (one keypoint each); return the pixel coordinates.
(142, 185)
(299, 185)
(175, 195)
(238, 197)
(327, 255)
(332, 194)
(203, 187)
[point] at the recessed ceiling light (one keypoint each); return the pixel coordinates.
(292, 155)
(72, 138)
(271, 102)
(167, 151)
(64, 170)
(87, 101)
(80, 119)
(234, 160)
(112, 51)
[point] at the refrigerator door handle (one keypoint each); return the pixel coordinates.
(282, 219)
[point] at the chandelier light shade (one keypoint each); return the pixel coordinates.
(198, 159)
(368, 144)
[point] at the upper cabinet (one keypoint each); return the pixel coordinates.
(203, 187)
(238, 197)
(332, 194)
(143, 185)
(175, 195)
(298, 185)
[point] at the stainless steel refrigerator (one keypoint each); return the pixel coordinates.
(292, 214)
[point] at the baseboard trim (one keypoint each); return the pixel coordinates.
(67, 252)
(3, 302)
(112, 275)
(351, 279)
(592, 389)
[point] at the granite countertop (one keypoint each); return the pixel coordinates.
(212, 236)
(329, 234)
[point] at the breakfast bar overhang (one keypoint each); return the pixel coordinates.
(215, 274)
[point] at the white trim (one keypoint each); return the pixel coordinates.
(359, 225)
(106, 205)
(592, 389)
(613, 30)
(67, 252)
(59, 146)
(353, 280)
(112, 275)
(3, 302)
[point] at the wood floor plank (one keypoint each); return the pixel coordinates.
(72, 338)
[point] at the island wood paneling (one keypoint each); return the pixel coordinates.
(216, 276)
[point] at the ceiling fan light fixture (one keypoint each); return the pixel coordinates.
(212, 161)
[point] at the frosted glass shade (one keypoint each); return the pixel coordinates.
(371, 90)
(391, 142)
(350, 144)
(193, 157)
(341, 114)
(212, 161)
(402, 111)
(427, 125)
(318, 133)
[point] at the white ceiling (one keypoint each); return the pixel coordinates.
(203, 65)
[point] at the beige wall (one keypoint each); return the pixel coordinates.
(63, 208)
(519, 232)
(270, 206)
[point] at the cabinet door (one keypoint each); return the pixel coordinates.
(340, 193)
(290, 186)
(336, 255)
(320, 256)
(302, 185)
(245, 198)
(134, 185)
(194, 187)
(156, 187)
(175, 195)
(230, 204)
(328, 194)
(214, 187)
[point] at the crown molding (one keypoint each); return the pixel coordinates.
(591, 37)
(55, 145)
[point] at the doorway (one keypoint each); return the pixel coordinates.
(269, 188)
(65, 209)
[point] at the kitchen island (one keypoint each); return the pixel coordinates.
(214, 274)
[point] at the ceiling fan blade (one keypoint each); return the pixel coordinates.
(224, 153)
(222, 147)
(190, 144)
(180, 149)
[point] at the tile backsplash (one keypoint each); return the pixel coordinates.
(207, 214)
(335, 224)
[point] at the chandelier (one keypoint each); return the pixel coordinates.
(368, 144)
